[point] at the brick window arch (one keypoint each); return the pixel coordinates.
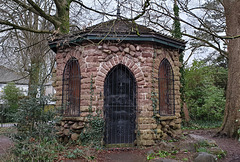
(71, 88)
(166, 89)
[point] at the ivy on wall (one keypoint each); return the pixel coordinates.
(93, 132)
(153, 91)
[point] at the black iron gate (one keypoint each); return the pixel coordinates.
(120, 106)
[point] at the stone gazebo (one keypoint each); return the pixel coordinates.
(135, 77)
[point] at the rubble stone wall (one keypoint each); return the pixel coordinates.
(97, 60)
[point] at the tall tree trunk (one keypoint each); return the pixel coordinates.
(62, 15)
(34, 77)
(231, 123)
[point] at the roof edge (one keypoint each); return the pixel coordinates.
(146, 37)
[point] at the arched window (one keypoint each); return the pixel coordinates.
(166, 89)
(71, 88)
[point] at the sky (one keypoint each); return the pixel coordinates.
(112, 4)
(86, 19)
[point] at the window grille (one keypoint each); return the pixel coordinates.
(71, 88)
(166, 89)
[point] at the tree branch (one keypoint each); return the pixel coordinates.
(179, 19)
(42, 13)
(222, 52)
(26, 6)
(200, 20)
(231, 37)
(14, 26)
(91, 9)
(146, 5)
(190, 55)
(3, 30)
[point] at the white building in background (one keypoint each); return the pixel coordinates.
(8, 75)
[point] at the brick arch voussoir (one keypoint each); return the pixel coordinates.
(71, 55)
(169, 60)
(106, 66)
(74, 53)
(158, 61)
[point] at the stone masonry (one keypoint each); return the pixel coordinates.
(96, 60)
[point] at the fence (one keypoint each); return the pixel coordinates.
(8, 124)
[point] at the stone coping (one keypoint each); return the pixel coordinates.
(166, 117)
(73, 119)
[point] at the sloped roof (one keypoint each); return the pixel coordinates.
(118, 29)
(119, 26)
(8, 75)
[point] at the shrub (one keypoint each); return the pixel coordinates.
(11, 95)
(35, 139)
(93, 133)
(32, 120)
(205, 99)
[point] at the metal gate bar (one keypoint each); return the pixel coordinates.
(120, 106)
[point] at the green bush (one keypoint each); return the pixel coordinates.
(11, 95)
(32, 149)
(204, 97)
(32, 120)
(202, 124)
(93, 133)
(35, 139)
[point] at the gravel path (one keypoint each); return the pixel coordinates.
(5, 144)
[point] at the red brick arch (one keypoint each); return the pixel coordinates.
(106, 66)
(160, 58)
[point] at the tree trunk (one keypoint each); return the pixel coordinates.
(34, 77)
(186, 113)
(62, 15)
(231, 123)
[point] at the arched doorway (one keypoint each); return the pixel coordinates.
(120, 106)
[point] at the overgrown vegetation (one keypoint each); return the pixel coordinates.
(10, 98)
(204, 146)
(204, 91)
(35, 139)
(162, 154)
(33, 120)
(201, 124)
(93, 132)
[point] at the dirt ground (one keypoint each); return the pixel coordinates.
(5, 143)
(231, 146)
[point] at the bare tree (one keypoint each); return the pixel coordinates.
(25, 51)
(60, 17)
(29, 22)
(199, 25)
